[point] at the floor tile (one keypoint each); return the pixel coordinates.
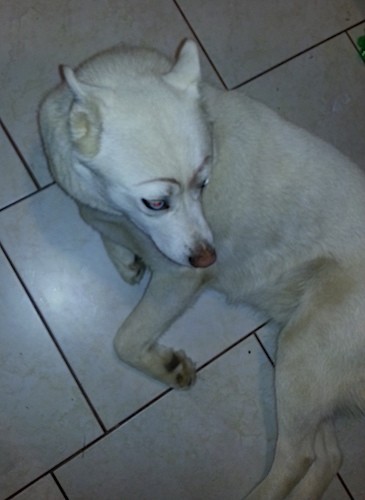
(245, 38)
(44, 489)
(212, 442)
(15, 181)
(84, 302)
(37, 36)
(43, 416)
(322, 91)
(209, 442)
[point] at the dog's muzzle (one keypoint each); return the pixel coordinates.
(204, 255)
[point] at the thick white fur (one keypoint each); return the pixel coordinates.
(284, 211)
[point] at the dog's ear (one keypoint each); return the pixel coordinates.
(185, 75)
(84, 116)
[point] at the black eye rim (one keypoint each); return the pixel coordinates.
(149, 204)
(204, 183)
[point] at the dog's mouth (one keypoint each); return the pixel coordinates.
(204, 256)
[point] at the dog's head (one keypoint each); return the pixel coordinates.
(142, 146)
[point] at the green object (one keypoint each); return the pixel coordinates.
(361, 45)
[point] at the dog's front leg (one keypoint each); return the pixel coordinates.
(166, 298)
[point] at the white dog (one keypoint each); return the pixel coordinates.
(208, 188)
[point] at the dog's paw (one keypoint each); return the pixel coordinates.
(132, 272)
(172, 368)
(181, 372)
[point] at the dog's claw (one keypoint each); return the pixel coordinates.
(181, 370)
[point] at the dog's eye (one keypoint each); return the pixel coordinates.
(155, 204)
(204, 183)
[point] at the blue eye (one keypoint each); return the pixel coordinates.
(156, 204)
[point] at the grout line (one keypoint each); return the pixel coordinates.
(298, 54)
(353, 43)
(351, 40)
(200, 43)
(23, 198)
(53, 338)
(232, 346)
(28, 485)
(20, 155)
(34, 481)
(59, 485)
(263, 347)
(344, 485)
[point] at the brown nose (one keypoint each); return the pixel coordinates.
(203, 256)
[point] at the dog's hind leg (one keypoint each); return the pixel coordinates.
(319, 363)
(327, 462)
(167, 296)
(313, 471)
(307, 456)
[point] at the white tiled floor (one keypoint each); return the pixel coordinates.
(76, 423)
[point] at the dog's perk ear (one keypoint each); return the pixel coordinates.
(185, 75)
(84, 116)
